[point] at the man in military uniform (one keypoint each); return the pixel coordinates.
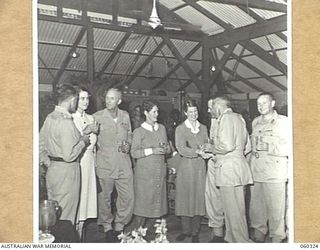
(60, 148)
(228, 173)
(114, 165)
(269, 157)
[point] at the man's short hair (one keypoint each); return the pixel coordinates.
(271, 96)
(65, 91)
(223, 99)
(118, 91)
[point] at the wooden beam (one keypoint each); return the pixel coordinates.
(222, 62)
(90, 55)
(109, 73)
(257, 4)
(138, 29)
(258, 51)
(273, 25)
(263, 27)
(187, 83)
(46, 67)
(183, 63)
(258, 71)
(121, 51)
(207, 13)
(115, 11)
(68, 57)
(244, 80)
(145, 63)
(114, 53)
(260, 20)
(175, 68)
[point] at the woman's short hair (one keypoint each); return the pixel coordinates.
(148, 105)
(190, 103)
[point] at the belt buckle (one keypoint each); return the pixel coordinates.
(256, 154)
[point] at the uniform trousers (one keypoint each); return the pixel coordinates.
(63, 185)
(124, 203)
(226, 203)
(267, 207)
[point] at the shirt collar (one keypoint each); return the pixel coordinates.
(78, 114)
(227, 110)
(149, 127)
(63, 111)
(193, 130)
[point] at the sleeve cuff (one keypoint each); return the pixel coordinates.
(148, 151)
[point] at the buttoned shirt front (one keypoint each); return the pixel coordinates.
(112, 133)
(270, 148)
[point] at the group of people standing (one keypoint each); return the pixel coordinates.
(212, 170)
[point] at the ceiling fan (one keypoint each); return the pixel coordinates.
(155, 22)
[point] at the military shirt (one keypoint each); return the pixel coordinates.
(112, 133)
(270, 148)
(59, 137)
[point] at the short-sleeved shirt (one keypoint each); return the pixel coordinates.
(111, 134)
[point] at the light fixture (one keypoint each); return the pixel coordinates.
(75, 54)
(154, 20)
(213, 68)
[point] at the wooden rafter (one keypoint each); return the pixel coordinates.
(259, 52)
(68, 56)
(137, 29)
(46, 67)
(188, 82)
(260, 20)
(145, 63)
(258, 71)
(175, 68)
(183, 63)
(244, 80)
(220, 64)
(273, 25)
(114, 53)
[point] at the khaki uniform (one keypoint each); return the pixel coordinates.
(60, 139)
(269, 165)
(114, 169)
(227, 175)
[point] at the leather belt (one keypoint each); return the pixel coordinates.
(59, 159)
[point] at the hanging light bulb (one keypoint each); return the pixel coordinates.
(75, 54)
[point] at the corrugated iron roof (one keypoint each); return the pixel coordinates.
(193, 16)
(171, 4)
(107, 38)
(228, 13)
(267, 14)
(262, 65)
(275, 41)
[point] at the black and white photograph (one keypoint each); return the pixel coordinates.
(163, 121)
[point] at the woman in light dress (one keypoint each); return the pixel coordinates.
(88, 194)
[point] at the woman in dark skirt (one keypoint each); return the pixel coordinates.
(149, 146)
(191, 172)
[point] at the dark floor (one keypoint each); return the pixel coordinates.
(93, 234)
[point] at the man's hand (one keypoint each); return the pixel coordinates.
(125, 148)
(207, 147)
(158, 151)
(91, 128)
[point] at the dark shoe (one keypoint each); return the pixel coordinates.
(109, 236)
(195, 239)
(217, 239)
(116, 234)
(182, 237)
